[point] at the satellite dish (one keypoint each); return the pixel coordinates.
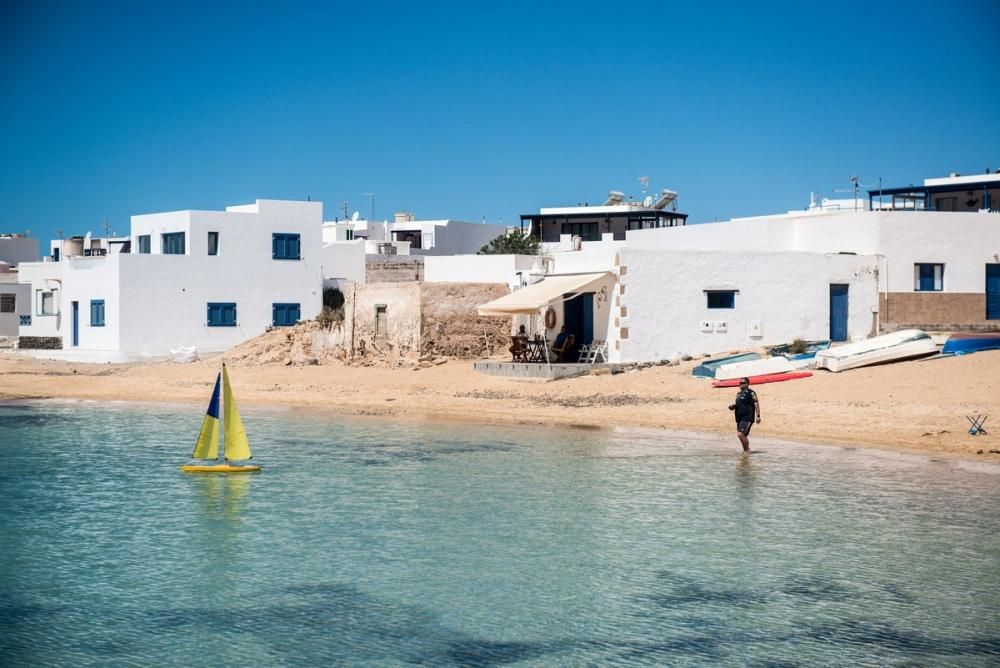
(355, 216)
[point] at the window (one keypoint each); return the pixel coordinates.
(55, 254)
(222, 314)
(97, 313)
(284, 315)
(381, 324)
(928, 277)
(46, 302)
(721, 298)
(285, 246)
(173, 243)
(8, 302)
(350, 235)
(143, 240)
(213, 243)
(586, 231)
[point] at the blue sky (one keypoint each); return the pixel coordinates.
(472, 110)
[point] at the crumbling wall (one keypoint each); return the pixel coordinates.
(451, 325)
(401, 338)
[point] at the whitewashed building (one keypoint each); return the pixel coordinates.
(203, 279)
(661, 290)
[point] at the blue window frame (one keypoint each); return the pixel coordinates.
(221, 314)
(928, 277)
(285, 315)
(97, 313)
(173, 243)
(721, 298)
(143, 240)
(285, 246)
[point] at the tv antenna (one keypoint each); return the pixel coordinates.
(343, 207)
(644, 181)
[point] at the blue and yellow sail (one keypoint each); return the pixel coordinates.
(207, 446)
(235, 445)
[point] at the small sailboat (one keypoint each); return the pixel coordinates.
(236, 444)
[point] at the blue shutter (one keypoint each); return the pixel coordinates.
(222, 314)
(97, 313)
(926, 277)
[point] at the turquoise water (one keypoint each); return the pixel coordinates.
(370, 543)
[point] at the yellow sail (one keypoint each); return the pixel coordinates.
(237, 443)
(207, 446)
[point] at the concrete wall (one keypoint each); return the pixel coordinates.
(662, 301)
(510, 269)
(88, 278)
(15, 250)
(456, 237)
(393, 269)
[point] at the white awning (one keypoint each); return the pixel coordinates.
(532, 298)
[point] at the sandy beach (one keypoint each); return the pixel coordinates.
(917, 406)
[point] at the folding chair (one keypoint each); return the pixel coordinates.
(599, 349)
(977, 423)
(584, 353)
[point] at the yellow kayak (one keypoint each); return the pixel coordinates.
(220, 468)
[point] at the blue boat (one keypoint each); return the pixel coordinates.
(707, 369)
(964, 343)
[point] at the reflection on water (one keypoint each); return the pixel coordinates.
(396, 544)
(222, 495)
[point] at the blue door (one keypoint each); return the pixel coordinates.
(993, 292)
(838, 312)
(76, 323)
(579, 318)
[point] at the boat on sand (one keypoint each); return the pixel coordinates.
(904, 344)
(963, 343)
(761, 380)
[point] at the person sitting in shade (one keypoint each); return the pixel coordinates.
(563, 343)
(519, 345)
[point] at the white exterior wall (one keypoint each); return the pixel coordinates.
(451, 237)
(87, 278)
(41, 277)
(343, 262)
(963, 242)
(510, 269)
(664, 297)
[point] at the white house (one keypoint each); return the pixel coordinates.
(207, 279)
(832, 271)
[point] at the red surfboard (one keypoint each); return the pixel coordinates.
(764, 378)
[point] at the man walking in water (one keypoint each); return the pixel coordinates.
(747, 410)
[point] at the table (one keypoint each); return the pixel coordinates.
(536, 349)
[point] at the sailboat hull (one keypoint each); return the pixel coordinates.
(220, 468)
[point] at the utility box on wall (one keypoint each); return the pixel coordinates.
(756, 328)
(721, 326)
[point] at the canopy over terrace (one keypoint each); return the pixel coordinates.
(532, 299)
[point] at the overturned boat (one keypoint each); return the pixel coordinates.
(899, 345)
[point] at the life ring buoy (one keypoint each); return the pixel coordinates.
(550, 318)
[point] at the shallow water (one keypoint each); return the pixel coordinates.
(369, 543)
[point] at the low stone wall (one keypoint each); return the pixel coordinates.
(39, 343)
